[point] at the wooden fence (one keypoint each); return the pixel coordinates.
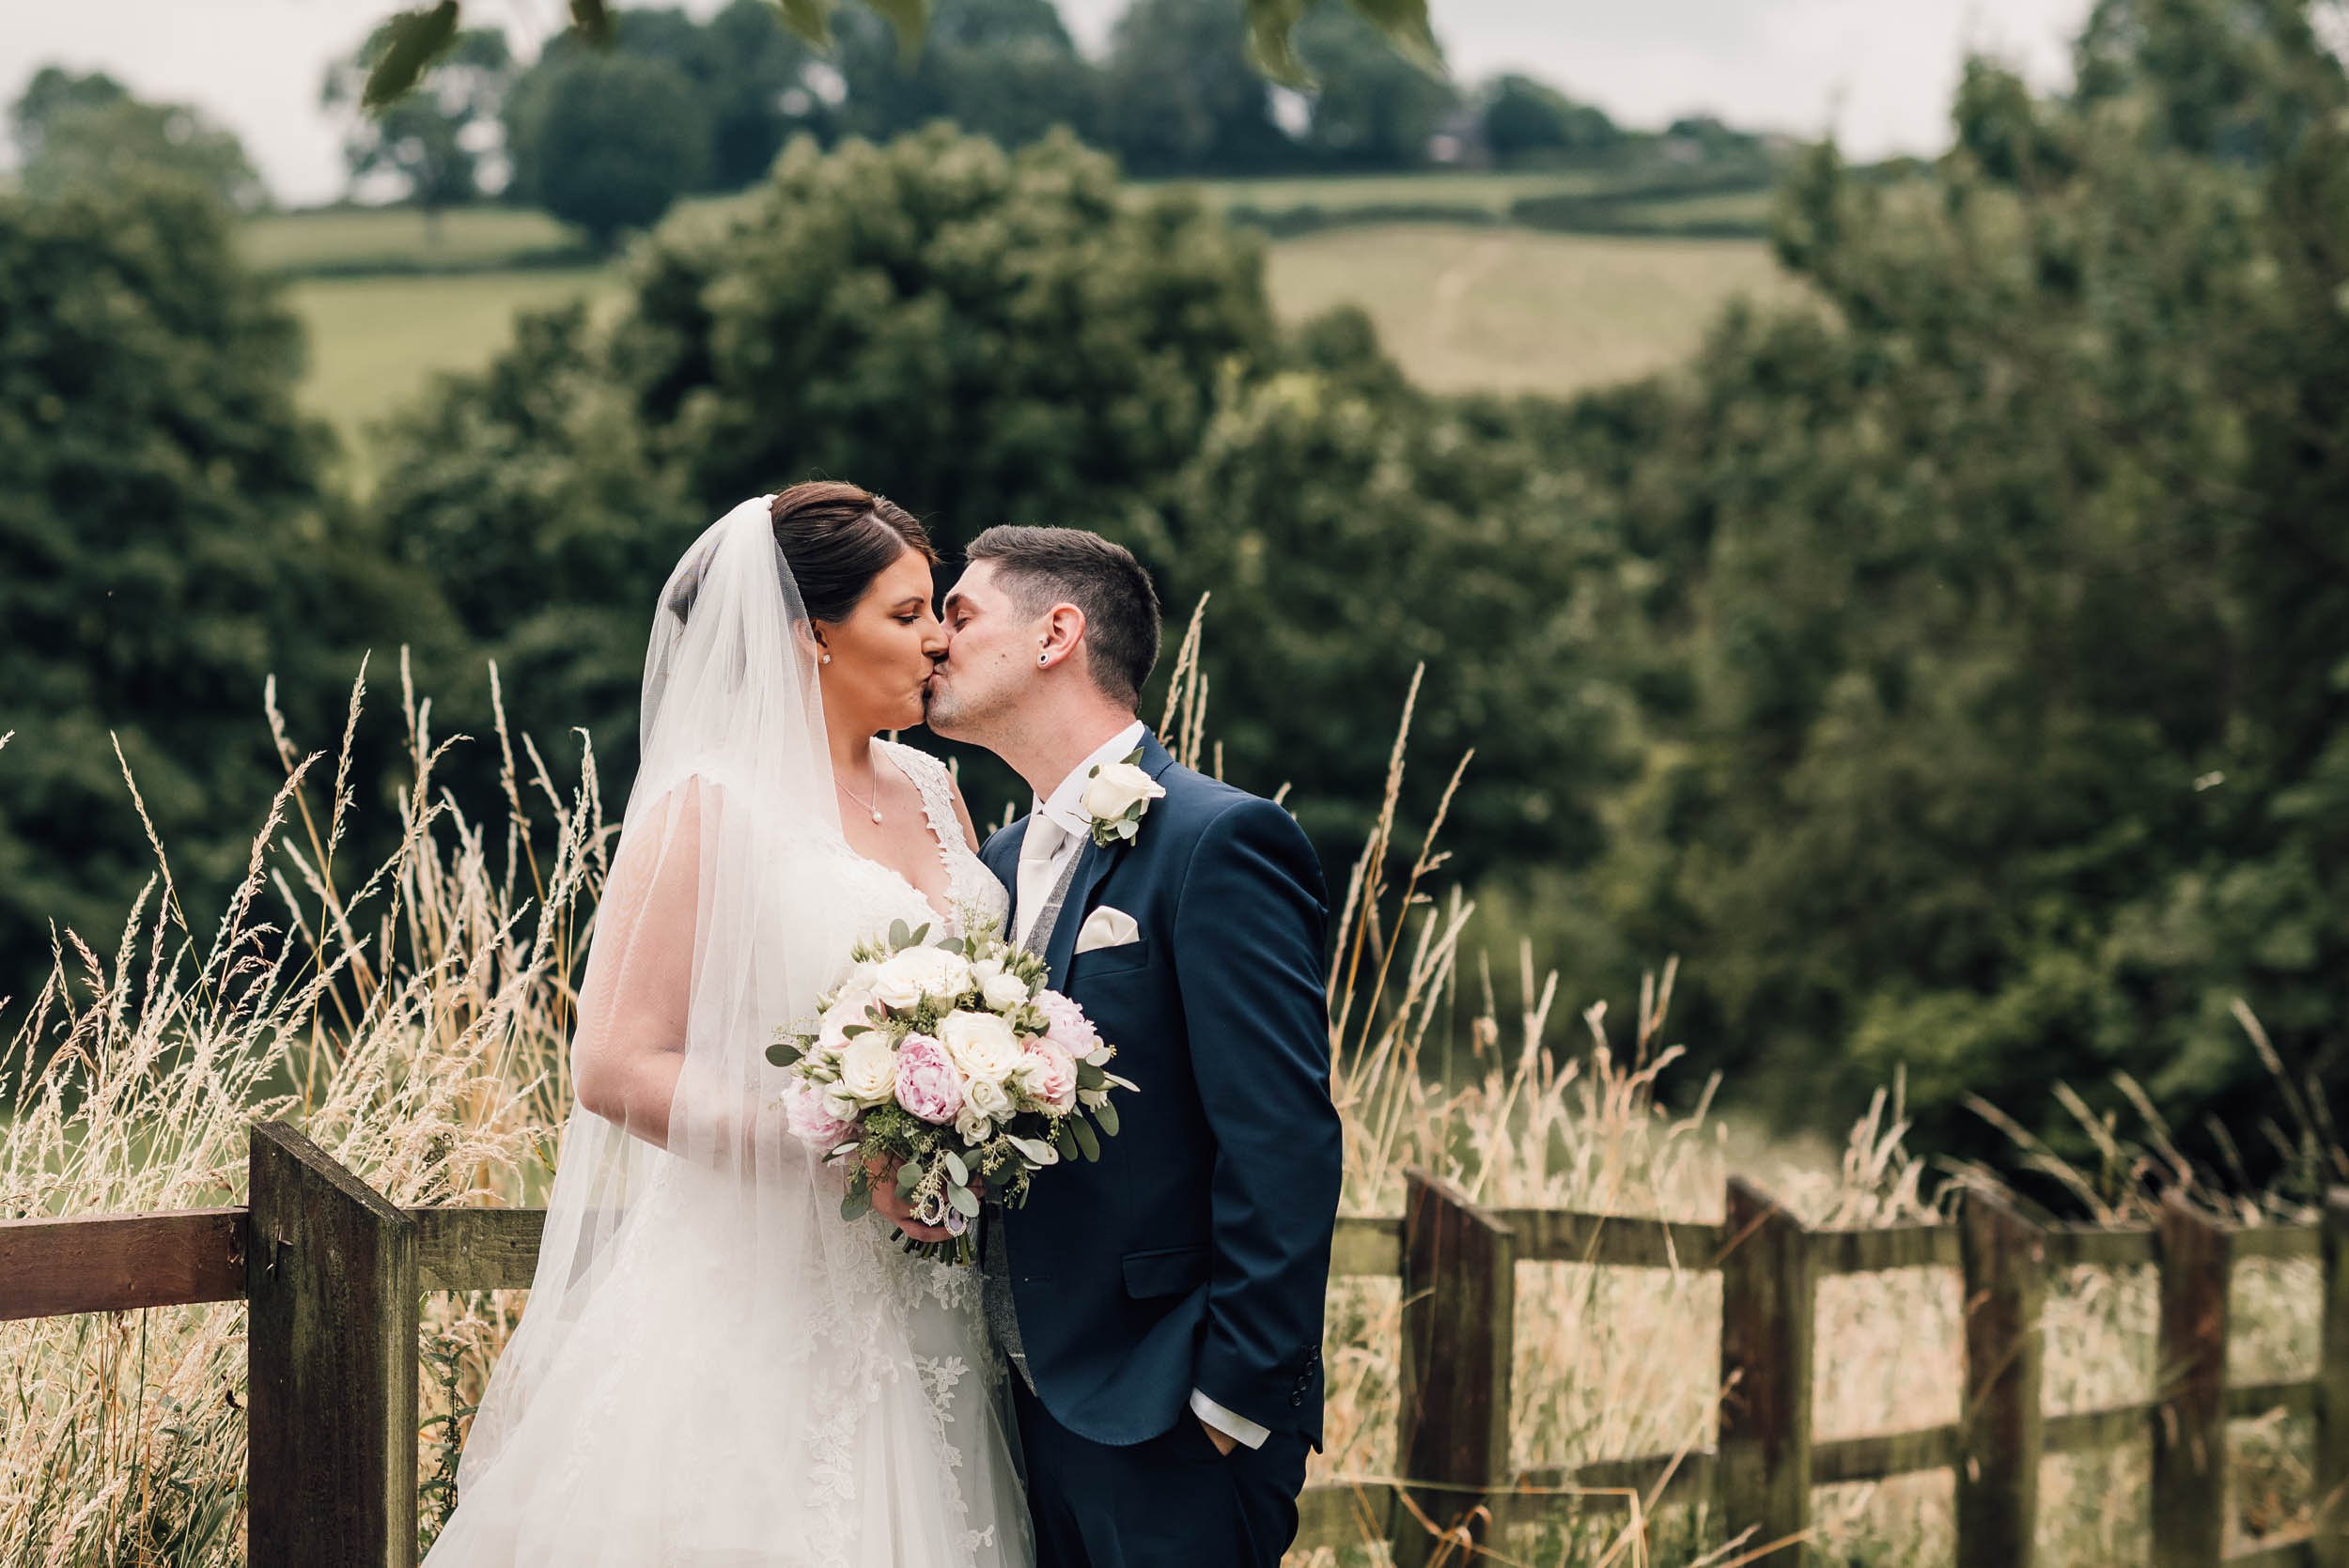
(334, 1274)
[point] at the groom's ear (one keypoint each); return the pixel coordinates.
(1060, 635)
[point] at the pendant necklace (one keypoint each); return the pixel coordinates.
(872, 805)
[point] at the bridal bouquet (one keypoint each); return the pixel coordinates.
(953, 1059)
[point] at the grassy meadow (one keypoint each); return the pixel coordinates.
(1462, 306)
(414, 1021)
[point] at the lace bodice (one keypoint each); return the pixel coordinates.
(972, 891)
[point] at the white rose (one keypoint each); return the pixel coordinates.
(1114, 787)
(1003, 991)
(839, 1104)
(918, 972)
(982, 1045)
(972, 1127)
(985, 1097)
(868, 1068)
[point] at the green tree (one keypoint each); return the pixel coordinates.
(1524, 120)
(1371, 108)
(75, 132)
(608, 142)
(1350, 528)
(164, 548)
(1994, 684)
(433, 140)
(1181, 95)
(420, 36)
(1006, 70)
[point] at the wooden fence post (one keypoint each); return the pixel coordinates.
(2330, 1547)
(1460, 1308)
(331, 1357)
(1769, 1290)
(2001, 1435)
(2190, 1420)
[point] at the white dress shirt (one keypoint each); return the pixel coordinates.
(1057, 831)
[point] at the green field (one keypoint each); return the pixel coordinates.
(1508, 310)
(1461, 306)
(375, 343)
(397, 239)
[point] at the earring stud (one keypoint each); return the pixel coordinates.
(1043, 659)
(826, 660)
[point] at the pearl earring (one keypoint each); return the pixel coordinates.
(826, 660)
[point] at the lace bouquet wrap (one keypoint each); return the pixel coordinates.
(953, 1060)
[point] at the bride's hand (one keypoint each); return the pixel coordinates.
(882, 1178)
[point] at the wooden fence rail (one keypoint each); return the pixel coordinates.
(332, 1275)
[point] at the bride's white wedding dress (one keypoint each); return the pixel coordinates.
(715, 1369)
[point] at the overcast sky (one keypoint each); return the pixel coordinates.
(1878, 73)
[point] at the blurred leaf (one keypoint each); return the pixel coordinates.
(810, 19)
(1272, 41)
(592, 21)
(417, 38)
(1405, 24)
(910, 19)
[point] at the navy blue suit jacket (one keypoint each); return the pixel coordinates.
(1195, 1253)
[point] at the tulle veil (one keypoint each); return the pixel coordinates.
(714, 1369)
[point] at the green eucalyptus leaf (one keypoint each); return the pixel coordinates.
(1088, 1142)
(957, 1172)
(855, 1204)
(965, 1200)
(782, 1054)
(1106, 1114)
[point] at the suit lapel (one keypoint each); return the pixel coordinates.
(1092, 864)
(1001, 855)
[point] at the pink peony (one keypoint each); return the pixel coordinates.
(928, 1083)
(1049, 1073)
(1065, 1024)
(804, 1112)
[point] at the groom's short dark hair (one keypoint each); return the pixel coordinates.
(1040, 567)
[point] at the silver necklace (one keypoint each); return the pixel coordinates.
(872, 805)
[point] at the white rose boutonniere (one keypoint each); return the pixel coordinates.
(1115, 795)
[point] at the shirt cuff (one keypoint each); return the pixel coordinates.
(1230, 1422)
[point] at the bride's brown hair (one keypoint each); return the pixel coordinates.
(837, 537)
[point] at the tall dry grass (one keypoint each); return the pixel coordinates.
(413, 1016)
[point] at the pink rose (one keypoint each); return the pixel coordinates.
(1049, 1073)
(1065, 1024)
(804, 1112)
(928, 1083)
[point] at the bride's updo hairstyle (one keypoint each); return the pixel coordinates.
(836, 538)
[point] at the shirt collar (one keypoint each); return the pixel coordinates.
(1061, 807)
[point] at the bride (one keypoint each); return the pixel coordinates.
(715, 1370)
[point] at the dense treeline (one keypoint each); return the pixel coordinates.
(609, 136)
(1950, 669)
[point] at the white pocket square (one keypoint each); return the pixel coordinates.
(1107, 927)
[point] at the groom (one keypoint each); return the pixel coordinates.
(1161, 1308)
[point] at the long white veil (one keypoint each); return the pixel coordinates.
(712, 1366)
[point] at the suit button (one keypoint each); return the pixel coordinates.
(1296, 1400)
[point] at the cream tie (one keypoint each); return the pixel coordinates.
(1037, 853)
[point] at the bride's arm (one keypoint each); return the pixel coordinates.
(628, 1050)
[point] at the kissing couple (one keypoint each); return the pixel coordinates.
(715, 1368)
